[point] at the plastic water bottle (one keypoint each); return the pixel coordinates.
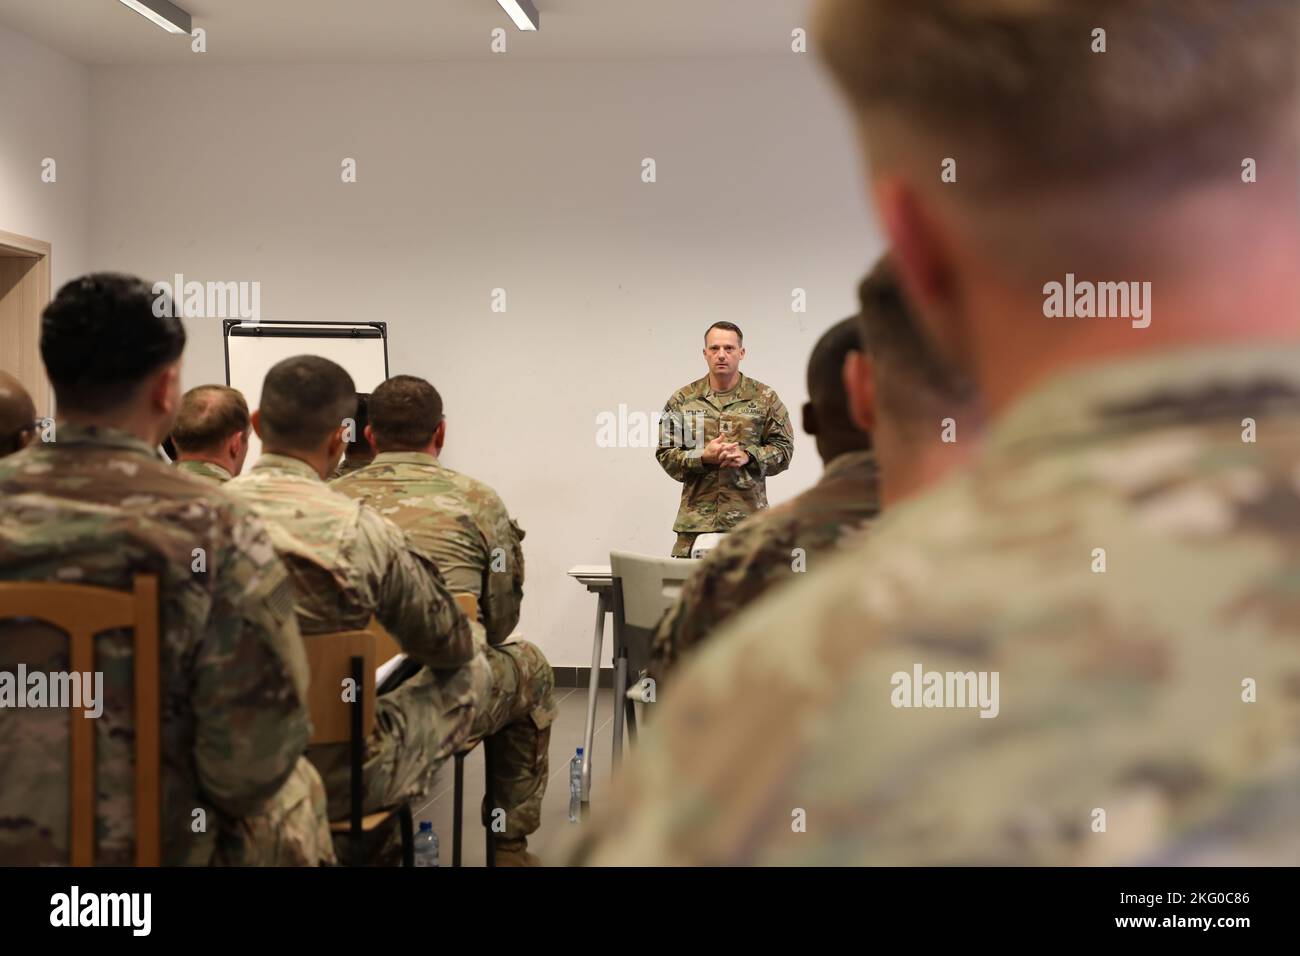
(575, 786)
(426, 845)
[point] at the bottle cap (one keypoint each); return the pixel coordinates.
(425, 825)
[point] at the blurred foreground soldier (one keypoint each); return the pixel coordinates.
(359, 451)
(1083, 648)
(17, 415)
(776, 546)
(463, 527)
(348, 565)
(721, 437)
(211, 433)
(95, 506)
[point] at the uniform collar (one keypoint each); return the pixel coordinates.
(67, 433)
(853, 461)
(741, 391)
(221, 470)
(286, 463)
(406, 458)
(1173, 388)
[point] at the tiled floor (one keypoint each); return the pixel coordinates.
(566, 737)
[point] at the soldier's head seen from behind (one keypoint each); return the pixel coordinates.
(112, 361)
(1012, 145)
(406, 415)
(213, 425)
(923, 416)
(306, 401)
(826, 413)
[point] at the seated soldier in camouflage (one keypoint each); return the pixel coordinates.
(93, 504)
(348, 565)
(463, 526)
(211, 433)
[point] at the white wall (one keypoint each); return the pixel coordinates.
(524, 176)
(45, 112)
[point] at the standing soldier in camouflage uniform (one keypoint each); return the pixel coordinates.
(17, 415)
(348, 565)
(211, 433)
(774, 546)
(359, 453)
(1122, 555)
(721, 437)
(463, 527)
(95, 506)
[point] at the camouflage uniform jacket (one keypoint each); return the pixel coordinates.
(97, 507)
(767, 550)
(1123, 556)
(714, 498)
(349, 564)
(347, 466)
(457, 522)
(204, 469)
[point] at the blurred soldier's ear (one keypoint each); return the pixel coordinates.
(809, 418)
(860, 387)
(370, 439)
(440, 436)
(237, 449)
(256, 419)
(921, 257)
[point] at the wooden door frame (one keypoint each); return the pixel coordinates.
(27, 364)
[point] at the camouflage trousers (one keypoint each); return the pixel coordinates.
(505, 693)
(685, 541)
(290, 830)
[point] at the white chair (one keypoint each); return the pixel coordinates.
(645, 586)
(704, 543)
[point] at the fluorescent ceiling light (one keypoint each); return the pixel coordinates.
(522, 12)
(167, 15)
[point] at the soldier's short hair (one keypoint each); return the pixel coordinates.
(304, 398)
(727, 326)
(405, 411)
(209, 414)
(100, 338)
(826, 375)
(1017, 92)
(911, 377)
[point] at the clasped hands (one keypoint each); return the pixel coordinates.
(725, 454)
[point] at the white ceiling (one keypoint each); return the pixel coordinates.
(378, 31)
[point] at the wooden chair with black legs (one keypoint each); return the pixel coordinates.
(469, 606)
(332, 659)
(81, 612)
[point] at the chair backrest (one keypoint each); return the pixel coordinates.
(81, 611)
(645, 586)
(329, 662)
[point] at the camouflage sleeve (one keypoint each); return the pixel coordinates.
(672, 452)
(773, 456)
(411, 599)
(503, 584)
(250, 690)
